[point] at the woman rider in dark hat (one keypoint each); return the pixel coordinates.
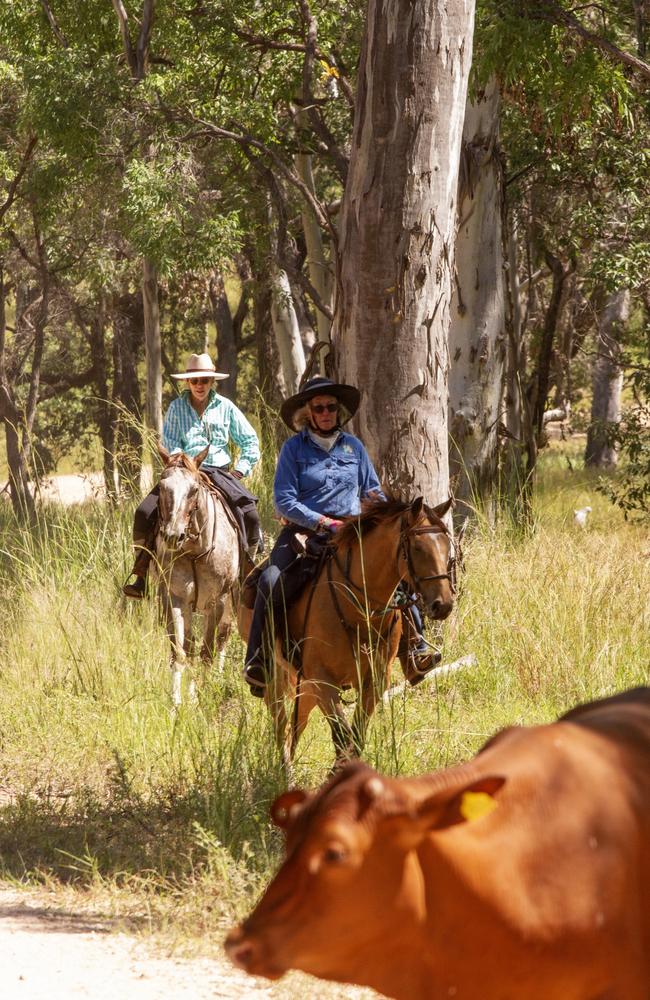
(323, 474)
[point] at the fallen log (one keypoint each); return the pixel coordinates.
(442, 671)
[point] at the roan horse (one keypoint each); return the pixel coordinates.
(348, 623)
(197, 561)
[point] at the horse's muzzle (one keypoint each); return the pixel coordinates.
(439, 609)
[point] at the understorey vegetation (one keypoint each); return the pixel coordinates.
(161, 817)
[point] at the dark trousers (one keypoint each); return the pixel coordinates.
(276, 588)
(242, 503)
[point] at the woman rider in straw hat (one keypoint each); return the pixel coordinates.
(200, 417)
(323, 474)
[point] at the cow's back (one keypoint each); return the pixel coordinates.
(562, 866)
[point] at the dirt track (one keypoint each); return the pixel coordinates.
(50, 953)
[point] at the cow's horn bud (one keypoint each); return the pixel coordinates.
(374, 788)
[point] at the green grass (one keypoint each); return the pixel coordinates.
(102, 786)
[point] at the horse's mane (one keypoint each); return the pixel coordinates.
(375, 511)
(179, 460)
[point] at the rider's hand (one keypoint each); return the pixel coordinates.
(334, 526)
(237, 474)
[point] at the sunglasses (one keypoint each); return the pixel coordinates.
(198, 381)
(324, 407)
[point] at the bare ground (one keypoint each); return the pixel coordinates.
(53, 952)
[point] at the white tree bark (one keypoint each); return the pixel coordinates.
(607, 379)
(152, 345)
(477, 333)
(318, 266)
(287, 330)
(398, 233)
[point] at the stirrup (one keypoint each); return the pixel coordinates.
(255, 675)
(422, 663)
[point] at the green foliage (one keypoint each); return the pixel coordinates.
(170, 217)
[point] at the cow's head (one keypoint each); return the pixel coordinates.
(352, 880)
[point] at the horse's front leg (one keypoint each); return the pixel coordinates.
(328, 698)
(280, 687)
(217, 625)
(179, 631)
(371, 689)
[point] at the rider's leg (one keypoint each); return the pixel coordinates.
(243, 505)
(269, 604)
(145, 522)
(416, 654)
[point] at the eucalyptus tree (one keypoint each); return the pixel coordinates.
(478, 327)
(398, 234)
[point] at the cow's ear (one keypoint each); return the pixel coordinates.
(286, 807)
(465, 805)
(442, 508)
(201, 457)
(164, 454)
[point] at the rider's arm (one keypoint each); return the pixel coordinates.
(286, 489)
(244, 436)
(368, 478)
(172, 434)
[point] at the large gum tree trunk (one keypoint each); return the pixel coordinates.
(477, 334)
(398, 233)
(607, 380)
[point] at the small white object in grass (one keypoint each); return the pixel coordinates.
(580, 516)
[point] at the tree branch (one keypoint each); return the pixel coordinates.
(123, 19)
(144, 38)
(54, 24)
(559, 15)
(13, 187)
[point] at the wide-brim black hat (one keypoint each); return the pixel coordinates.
(347, 395)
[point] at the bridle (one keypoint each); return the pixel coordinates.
(404, 550)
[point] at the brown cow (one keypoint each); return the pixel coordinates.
(521, 875)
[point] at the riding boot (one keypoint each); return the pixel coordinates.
(416, 655)
(138, 589)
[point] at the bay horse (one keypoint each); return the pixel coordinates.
(348, 623)
(197, 561)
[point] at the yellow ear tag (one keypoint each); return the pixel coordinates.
(475, 805)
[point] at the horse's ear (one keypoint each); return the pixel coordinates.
(164, 454)
(416, 506)
(442, 508)
(201, 457)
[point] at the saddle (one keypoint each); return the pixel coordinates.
(311, 550)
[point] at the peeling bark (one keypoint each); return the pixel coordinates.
(477, 333)
(398, 232)
(226, 341)
(286, 329)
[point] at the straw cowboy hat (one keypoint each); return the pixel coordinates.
(200, 365)
(294, 409)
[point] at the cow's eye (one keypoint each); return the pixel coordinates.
(334, 855)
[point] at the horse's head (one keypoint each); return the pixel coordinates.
(179, 495)
(428, 555)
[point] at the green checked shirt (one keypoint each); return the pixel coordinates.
(222, 422)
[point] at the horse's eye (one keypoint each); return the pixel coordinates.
(334, 855)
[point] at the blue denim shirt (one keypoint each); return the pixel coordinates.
(311, 482)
